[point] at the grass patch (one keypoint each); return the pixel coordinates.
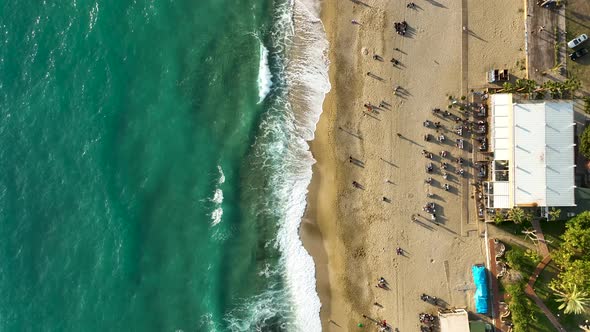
(552, 230)
(570, 322)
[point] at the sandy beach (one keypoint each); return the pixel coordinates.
(353, 231)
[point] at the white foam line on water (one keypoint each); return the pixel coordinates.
(299, 35)
(307, 76)
(300, 268)
(218, 199)
(221, 175)
(264, 74)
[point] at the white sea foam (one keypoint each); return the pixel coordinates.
(283, 153)
(306, 73)
(216, 216)
(309, 83)
(218, 196)
(260, 310)
(218, 199)
(221, 175)
(264, 74)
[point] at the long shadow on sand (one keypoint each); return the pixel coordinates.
(436, 3)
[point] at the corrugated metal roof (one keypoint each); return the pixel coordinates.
(529, 154)
(559, 153)
(543, 154)
(501, 195)
(500, 142)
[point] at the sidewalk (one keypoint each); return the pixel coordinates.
(495, 291)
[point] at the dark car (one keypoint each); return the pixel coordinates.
(578, 54)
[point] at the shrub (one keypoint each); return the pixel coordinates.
(520, 304)
(585, 143)
(532, 256)
(499, 218)
(587, 105)
(517, 259)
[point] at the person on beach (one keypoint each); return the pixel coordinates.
(399, 135)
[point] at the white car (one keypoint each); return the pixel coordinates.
(577, 41)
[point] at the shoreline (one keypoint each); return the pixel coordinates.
(310, 230)
(318, 232)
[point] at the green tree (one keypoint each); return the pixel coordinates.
(576, 241)
(508, 87)
(520, 304)
(554, 214)
(587, 104)
(573, 256)
(518, 215)
(585, 143)
(553, 87)
(533, 257)
(499, 218)
(570, 86)
(525, 86)
(574, 273)
(572, 299)
(517, 259)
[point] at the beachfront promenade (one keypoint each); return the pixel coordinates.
(370, 181)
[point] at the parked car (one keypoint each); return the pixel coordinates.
(577, 41)
(578, 54)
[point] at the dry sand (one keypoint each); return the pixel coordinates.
(352, 233)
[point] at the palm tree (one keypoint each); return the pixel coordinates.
(518, 215)
(554, 214)
(572, 300)
(508, 87)
(525, 86)
(571, 85)
(552, 87)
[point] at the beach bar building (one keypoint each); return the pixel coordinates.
(533, 153)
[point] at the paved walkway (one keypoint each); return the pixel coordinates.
(529, 290)
(542, 243)
(495, 291)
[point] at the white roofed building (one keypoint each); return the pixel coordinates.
(533, 146)
(455, 320)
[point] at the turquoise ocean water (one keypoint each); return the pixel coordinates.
(153, 164)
